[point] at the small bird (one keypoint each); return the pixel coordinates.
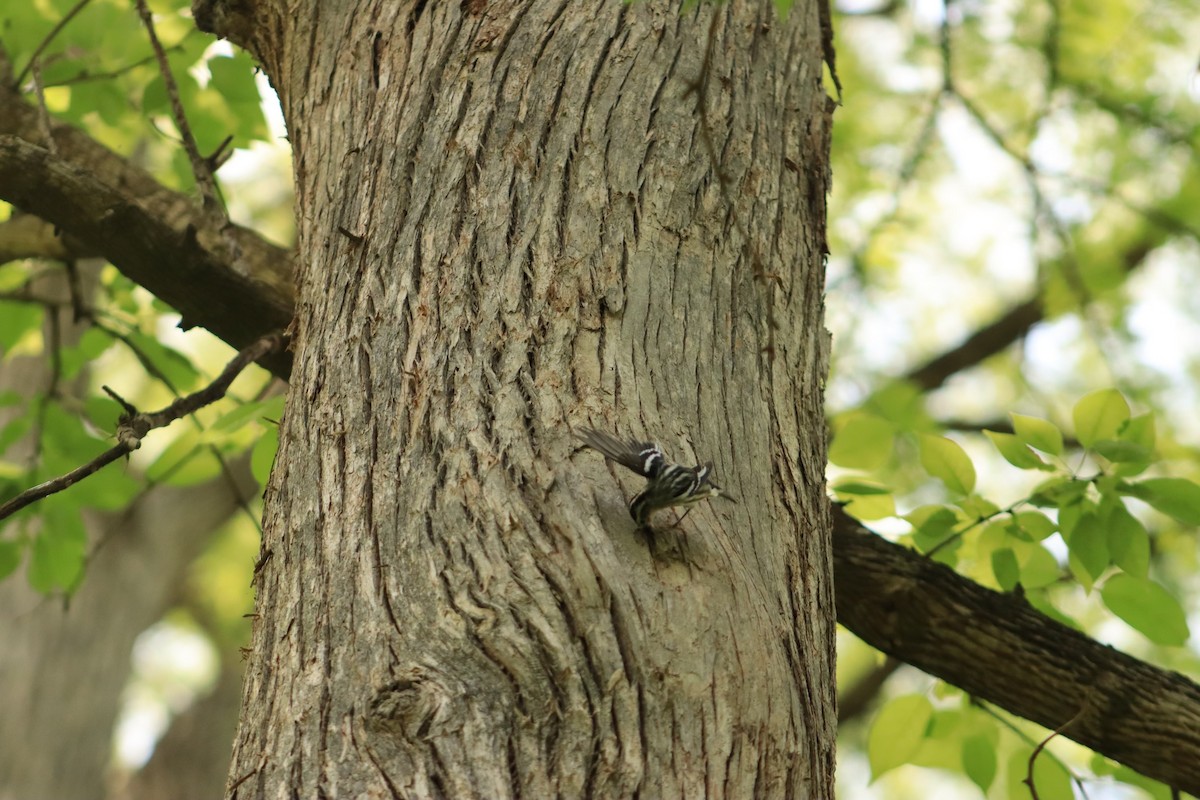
(667, 484)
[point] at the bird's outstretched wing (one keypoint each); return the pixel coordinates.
(644, 458)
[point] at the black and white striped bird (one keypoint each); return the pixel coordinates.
(667, 484)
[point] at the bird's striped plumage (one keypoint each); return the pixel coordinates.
(667, 484)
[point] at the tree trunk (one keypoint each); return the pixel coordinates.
(513, 223)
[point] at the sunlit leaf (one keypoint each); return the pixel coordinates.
(946, 460)
(862, 441)
(1100, 415)
(16, 321)
(1088, 545)
(57, 556)
(1058, 492)
(897, 731)
(1051, 781)
(1038, 433)
(1122, 452)
(10, 556)
(979, 760)
(263, 455)
(1038, 566)
(1032, 526)
(1016, 452)
(1177, 497)
(932, 525)
(1146, 607)
(1128, 542)
(1005, 568)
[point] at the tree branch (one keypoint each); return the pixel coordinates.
(248, 272)
(173, 265)
(133, 426)
(999, 648)
(1017, 321)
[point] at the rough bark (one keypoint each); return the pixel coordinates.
(999, 648)
(509, 226)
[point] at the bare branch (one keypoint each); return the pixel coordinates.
(133, 427)
(200, 167)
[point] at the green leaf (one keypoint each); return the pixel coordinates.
(1100, 415)
(932, 525)
(1146, 607)
(57, 556)
(1177, 497)
(272, 408)
(69, 443)
(93, 342)
(1088, 545)
(233, 79)
(1005, 568)
(1123, 452)
(1031, 526)
(977, 508)
(979, 760)
(1038, 433)
(862, 441)
(17, 320)
(263, 455)
(1038, 566)
(1128, 542)
(902, 404)
(1058, 492)
(185, 462)
(18, 426)
(946, 460)
(897, 732)
(1050, 779)
(1016, 452)
(174, 366)
(1140, 430)
(869, 507)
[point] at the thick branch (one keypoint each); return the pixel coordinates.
(173, 265)
(985, 342)
(1010, 326)
(999, 648)
(239, 258)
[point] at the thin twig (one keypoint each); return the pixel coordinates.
(84, 76)
(1025, 737)
(1042, 746)
(37, 53)
(200, 167)
(132, 428)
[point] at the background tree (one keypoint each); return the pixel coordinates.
(919, 93)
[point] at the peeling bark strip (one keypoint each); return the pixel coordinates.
(455, 604)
